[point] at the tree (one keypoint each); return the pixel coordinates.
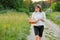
(11, 3)
(57, 0)
(56, 6)
(26, 3)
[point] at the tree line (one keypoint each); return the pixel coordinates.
(24, 5)
(15, 4)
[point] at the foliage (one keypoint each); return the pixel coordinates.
(18, 5)
(23, 10)
(1, 7)
(15, 3)
(56, 6)
(11, 3)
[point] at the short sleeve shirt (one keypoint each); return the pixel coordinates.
(38, 15)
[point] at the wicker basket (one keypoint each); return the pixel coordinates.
(32, 21)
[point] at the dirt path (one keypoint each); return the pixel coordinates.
(51, 32)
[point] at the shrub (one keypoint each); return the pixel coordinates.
(55, 18)
(56, 6)
(23, 10)
(1, 7)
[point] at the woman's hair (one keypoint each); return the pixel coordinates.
(39, 6)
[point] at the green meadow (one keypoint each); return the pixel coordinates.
(14, 26)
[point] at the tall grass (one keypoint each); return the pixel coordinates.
(14, 26)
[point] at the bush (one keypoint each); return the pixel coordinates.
(20, 9)
(1, 7)
(56, 6)
(55, 18)
(27, 12)
(23, 10)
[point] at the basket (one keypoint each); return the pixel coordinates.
(32, 21)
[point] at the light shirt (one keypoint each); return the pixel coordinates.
(38, 15)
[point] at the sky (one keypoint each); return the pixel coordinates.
(37, 0)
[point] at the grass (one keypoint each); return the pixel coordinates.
(55, 17)
(13, 26)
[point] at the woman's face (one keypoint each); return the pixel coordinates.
(37, 9)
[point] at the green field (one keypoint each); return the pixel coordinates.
(55, 17)
(14, 26)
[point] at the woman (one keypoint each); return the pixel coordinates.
(38, 18)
